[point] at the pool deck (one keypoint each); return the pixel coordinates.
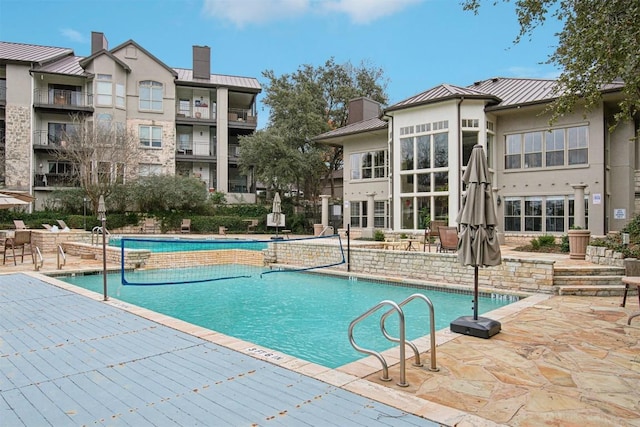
(69, 358)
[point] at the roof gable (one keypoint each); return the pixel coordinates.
(146, 52)
(441, 93)
(86, 61)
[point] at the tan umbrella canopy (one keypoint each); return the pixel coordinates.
(10, 199)
(478, 240)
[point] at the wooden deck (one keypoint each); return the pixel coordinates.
(66, 359)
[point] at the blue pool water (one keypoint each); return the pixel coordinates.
(300, 314)
(178, 245)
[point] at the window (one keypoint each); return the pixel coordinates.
(151, 95)
(406, 183)
(61, 133)
(552, 214)
(470, 123)
(358, 212)
(423, 151)
(407, 212)
(513, 150)
(469, 139)
(532, 214)
(151, 136)
(554, 221)
(406, 130)
(368, 165)
(441, 150)
(572, 211)
(120, 95)
(406, 153)
(60, 168)
(104, 172)
(147, 169)
(557, 147)
(379, 214)
(578, 145)
(533, 150)
(104, 89)
(512, 214)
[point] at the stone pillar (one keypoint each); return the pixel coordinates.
(325, 209)
(370, 211)
(578, 205)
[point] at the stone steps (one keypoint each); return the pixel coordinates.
(596, 280)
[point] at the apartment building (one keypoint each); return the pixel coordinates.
(188, 121)
(538, 171)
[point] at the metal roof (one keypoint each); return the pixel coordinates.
(440, 93)
(20, 52)
(69, 65)
(354, 128)
(186, 75)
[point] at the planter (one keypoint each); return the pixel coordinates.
(578, 242)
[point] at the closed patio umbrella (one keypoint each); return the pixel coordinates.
(276, 210)
(478, 244)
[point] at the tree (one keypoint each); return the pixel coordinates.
(304, 104)
(160, 193)
(100, 154)
(597, 46)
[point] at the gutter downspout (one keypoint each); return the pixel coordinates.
(459, 148)
(390, 166)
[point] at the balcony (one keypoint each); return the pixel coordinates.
(189, 112)
(42, 139)
(190, 151)
(241, 117)
(62, 100)
(55, 180)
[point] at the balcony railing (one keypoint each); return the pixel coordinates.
(61, 98)
(242, 115)
(55, 180)
(42, 138)
(198, 112)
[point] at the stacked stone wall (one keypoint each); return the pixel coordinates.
(18, 147)
(518, 275)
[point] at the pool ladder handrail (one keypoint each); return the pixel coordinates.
(95, 231)
(401, 340)
(38, 259)
(432, 331)
(61, 256)
(385, 367)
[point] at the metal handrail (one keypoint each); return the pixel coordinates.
(432, 331)
(62, 255)
(38, 259)
(95, 231)
(385, 367)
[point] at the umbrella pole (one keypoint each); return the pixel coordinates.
(475, 292)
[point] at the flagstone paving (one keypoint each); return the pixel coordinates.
(566, 361)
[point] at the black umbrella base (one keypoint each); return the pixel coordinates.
(481, 328)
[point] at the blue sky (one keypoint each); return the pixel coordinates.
(418, 43)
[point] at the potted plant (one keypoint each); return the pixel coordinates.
(578, 242)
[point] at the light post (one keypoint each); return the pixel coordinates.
(84, 212)
(102, 216)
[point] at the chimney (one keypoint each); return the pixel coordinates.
(361, 109)
(201, 62)
(98, 42)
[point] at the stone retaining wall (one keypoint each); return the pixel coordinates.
(49, 241)
(604, 256)
(513, 274)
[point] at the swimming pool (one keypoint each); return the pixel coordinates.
(178, 244)
(300, 314)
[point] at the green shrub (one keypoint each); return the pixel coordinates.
(378, 236)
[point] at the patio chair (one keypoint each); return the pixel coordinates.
(19, 224)
(62, 224)
(47, 227)
(185, 227)
(251, 225)
(149, 225)
(22, 241)
(431, 233)
(448, 239)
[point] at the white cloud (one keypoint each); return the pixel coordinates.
(366, 11)
(246, 12)
(73, 35)
(254, 11)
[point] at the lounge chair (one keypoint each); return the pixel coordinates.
(185, 227)
(448, 239)
(251, 225)
(47, 227)
(19, 224)
(62, 224)
(21, 240)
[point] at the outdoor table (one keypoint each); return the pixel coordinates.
(632, 281)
